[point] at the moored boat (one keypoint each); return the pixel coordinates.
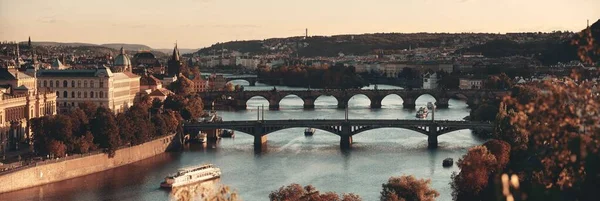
(190, 175)
(309, 131)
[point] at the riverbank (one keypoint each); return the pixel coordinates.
(75, 166)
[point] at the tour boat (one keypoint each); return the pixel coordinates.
(309, 131)
(191, 175)
(422, 113)
(200, 138)
(430, 106)
(227, 133)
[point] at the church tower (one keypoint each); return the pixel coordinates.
(29, 42)
(174, 65)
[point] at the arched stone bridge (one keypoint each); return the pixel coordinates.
(240, 98)
(252, 79)
(343, 128)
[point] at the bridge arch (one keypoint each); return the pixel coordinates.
(424, 98)
(326, 101)
(256, 101)
(392, 101)
(359, 101)
(291, 101)
(242, 82)
(423, 130)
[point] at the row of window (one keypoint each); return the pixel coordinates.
(65, 83)
(85, 94)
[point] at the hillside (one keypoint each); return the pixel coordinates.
(130, 47)
(548, 51)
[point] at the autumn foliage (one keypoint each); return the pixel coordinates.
(295, 192)
(407, 188)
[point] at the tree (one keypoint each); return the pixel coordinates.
(105, 131)
(193, 109)
(295, 192)
(85, 143)
(39, 128)
(79, 121)
(557, 132)
(501, 151)
(88, 108)
(475, 170)
(183, 86)
(57, 148)
(408, 188)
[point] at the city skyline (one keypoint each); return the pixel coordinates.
(201, 23)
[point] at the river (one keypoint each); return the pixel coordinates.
(291, 157)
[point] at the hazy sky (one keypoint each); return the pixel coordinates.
(200, 23)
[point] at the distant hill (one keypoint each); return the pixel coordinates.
(181, 51)
(362, 44)
(130, 47)
(49, 43)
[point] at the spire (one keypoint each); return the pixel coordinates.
(17, 61)
(588, 24)
(175, 56)
(29, 41)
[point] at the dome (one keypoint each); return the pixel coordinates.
(122, 59)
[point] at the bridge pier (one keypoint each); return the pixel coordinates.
(309, 103)
(442, 103)
(342, 104)
(240, 105)
(376, 102)
(252, 83)
(274, 106)
(346, 142)
(409, 102)
(432, 137)
(260, 143)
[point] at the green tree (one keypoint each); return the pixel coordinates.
(408, 188)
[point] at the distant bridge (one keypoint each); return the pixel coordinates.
(240, 98)
(252, 79)
(343, 128)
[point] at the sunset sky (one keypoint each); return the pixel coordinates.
(200, 23)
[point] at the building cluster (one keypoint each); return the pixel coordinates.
(32, 86)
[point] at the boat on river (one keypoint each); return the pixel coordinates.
(190, 175)
(309, 131)
(227, 133)
(422, 113)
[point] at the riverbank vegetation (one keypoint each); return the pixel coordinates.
(334, 77)
(88, 127)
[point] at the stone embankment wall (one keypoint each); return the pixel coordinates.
(67, 169)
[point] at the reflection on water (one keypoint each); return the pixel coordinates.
(206, 190)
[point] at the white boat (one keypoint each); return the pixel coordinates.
(309, 131)
(190, 175)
